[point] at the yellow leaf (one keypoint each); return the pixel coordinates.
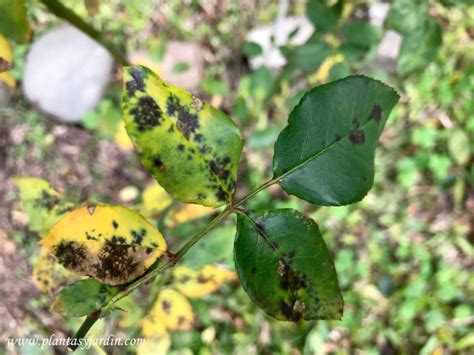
(6, 59)
(172, 311)
(110, 243)
(188, 212)
(38, 199)
(121, 137)
(48, 275)
(199, 283)
(322, 73)
(155, 199)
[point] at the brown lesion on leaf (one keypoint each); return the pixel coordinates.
(376, 114)
(5, 65)
(166, 306)
(158, 163)
(138, 236)
(118, 263)
(137, 83)
(357, 137)
(47, 200)
(187, 122)
(147, 114)
(71, 254)
(90, 209)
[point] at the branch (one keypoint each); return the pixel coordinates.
(63, 12)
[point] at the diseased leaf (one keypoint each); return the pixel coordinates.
(326, 153)
(285, 267)
(38, 199)
(6, 63)
(83, 297)
(200, 283)
(48, 274)
(13, 20)
(172, 311)
(190, 147)
(110, 243)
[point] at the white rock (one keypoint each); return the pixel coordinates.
(378, 12)
(271, 55)
(389, 46)
(66, 73)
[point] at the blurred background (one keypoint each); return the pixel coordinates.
(404, 255)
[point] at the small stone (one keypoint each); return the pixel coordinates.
(66, 73)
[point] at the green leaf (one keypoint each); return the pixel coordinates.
(419, 48)
(326, 153)
(215, 248)
(285, 267)
(359, 37)
(190, 147)
(323, 17)
(458, 145)
(309, 56)
(13, 20)
(83, 297)
(251, 49)
(405, 16)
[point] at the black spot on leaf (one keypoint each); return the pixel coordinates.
(116, 261)
(337, 136)
(166, 306)
(157, 163)
(71, 254)
(357, 137)
(136, 83)
(172, 105)
(147, 113)
(376, 114)
(115, 224)
(181, 147)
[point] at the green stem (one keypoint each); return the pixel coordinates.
(81, 333)
(63, 12)
(256, 191)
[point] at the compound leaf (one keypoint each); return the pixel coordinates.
(110, 243)
(190, 147)
(326, 153)
(285, 267)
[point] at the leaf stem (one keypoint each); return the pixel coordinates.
(254, 192)
(63, 12)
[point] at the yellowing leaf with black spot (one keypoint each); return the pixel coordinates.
(110, 243)
(190, 147)
(172, 311)
(48, 274)
(38, 199)
(200, 283)
(6, 63)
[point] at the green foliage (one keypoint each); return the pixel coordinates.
(325, 154)
(14, 21)
(83, 298)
